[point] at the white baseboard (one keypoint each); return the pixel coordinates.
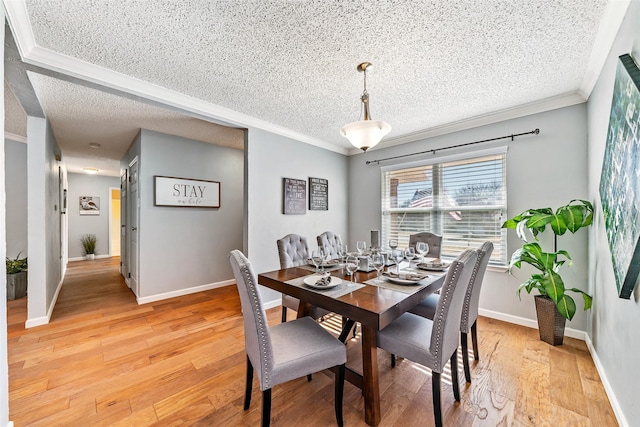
(187, 291)
(270, 304)
(530, 323)
(81, 258)
(617, 410)
(39, 321)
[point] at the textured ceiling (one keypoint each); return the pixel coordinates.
(15, 119)
(293, 63)
(80, 116)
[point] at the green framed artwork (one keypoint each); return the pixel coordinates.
(620, 178)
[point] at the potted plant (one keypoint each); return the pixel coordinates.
(16, 277)
(89, 245)
(553, 305)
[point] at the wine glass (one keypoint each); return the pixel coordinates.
(362, 247)
(378, 264)
(344, 253)
(422, 248)
(397, 256)
(351, 267)
(324, 255)
(393, 243)
(410, 254)
(316, 258)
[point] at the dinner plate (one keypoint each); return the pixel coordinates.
(311, 282)
(405, 278)
(426, 266)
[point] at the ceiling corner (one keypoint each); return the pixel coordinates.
(609, 27)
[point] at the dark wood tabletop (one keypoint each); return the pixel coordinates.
(373, 307)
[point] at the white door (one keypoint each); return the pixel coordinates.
(124, 261)
(133, 201)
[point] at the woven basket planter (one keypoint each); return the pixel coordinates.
(550, 321)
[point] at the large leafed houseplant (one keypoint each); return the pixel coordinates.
(548, 281)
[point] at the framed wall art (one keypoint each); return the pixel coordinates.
(183, 192)
(294, 196)
(318, 194)
(620, 178)
(89, 205)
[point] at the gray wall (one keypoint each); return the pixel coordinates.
(181, 247)
(271, 158)
(15, 172)
(89, 185)
(44, 237)
(614, 321)
(546, 170)
(4, 364)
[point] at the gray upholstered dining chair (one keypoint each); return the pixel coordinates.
(427, 308)
(293, 251)
(331, 243)
(285, 351)
(433, 240)
(432, 343)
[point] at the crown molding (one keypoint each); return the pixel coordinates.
(38, 56)
(33, 54)
(547, 104)
(15, 137)
(609, 27)
(18, 17)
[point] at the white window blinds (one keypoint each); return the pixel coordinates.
(464, 200)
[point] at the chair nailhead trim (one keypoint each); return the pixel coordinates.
(260, 324)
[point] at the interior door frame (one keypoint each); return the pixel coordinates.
(124, 221)
(133, 204)
(111, 218)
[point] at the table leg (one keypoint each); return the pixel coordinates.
(304, 309)
(371, 387)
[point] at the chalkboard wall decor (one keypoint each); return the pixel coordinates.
(318, 194)
(294, 196)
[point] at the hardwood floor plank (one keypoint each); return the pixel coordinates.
(532, 394)
(104, 360)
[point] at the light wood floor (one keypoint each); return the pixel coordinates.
(105, 361)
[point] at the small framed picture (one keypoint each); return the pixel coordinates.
(89, 205)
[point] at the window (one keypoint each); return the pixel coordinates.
(461, 198)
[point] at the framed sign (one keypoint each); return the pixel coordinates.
(318, 194)
(294, 196)
(192, 193)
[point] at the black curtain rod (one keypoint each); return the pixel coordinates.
(433, 151)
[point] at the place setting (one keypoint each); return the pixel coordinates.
(435, 264)
(326, 284)
(321, 262)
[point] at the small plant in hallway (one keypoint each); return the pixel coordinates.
(89, 242)
(17, 264)
(16, 277)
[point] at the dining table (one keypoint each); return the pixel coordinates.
(361, 298)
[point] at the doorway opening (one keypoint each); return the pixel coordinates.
(114, 221)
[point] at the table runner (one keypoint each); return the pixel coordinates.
(336, 292)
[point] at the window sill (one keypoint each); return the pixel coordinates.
(498, 268)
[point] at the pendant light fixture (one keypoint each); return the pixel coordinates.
(367, 133)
